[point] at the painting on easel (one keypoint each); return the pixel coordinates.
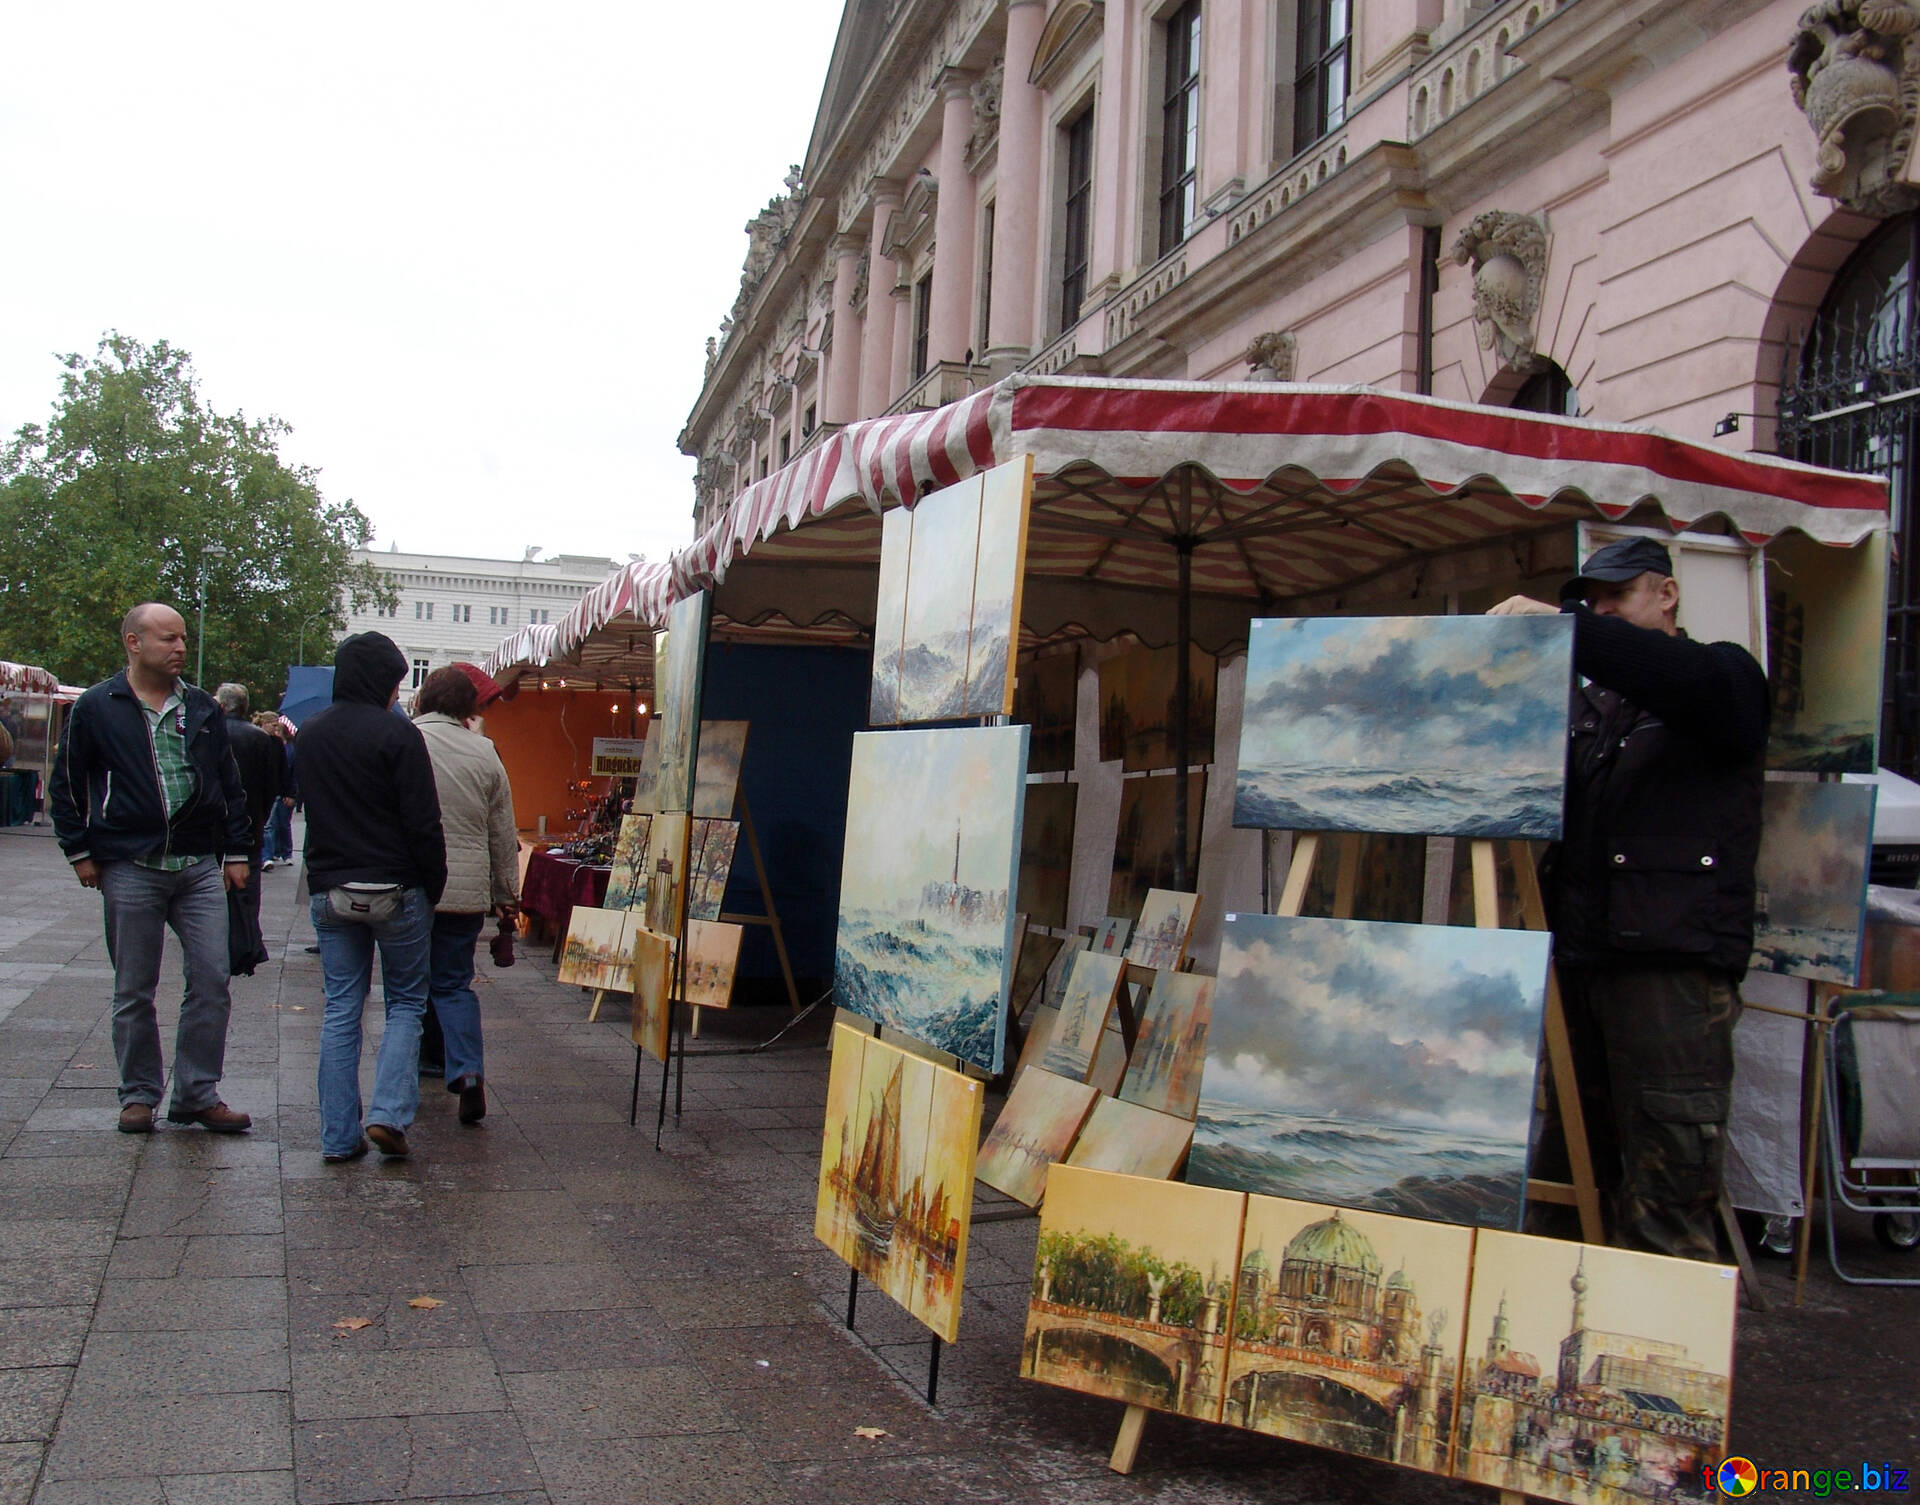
(716, 779)
(627, 887)
(1093, 981)
(713, 955)
(651, 1022)
(1388, 1067)
(1166, 920)
(1152, 707)
(1144, 845)
(1425, 726)
(1132, 1140)
(710, 866)
(596, 954)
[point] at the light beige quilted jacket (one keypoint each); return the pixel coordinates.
(476, 811)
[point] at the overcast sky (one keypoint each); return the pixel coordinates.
(471, 252)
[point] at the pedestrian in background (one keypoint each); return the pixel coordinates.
(148, 807)
(377, 864)
(279, 843)
(261, 770)
(483, 849)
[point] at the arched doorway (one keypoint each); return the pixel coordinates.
(1850, 400)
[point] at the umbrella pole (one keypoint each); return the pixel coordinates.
(1183, 684)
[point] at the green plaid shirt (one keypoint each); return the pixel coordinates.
(166, 731)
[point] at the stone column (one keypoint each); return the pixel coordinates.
(877, 341)
(951, 315)
(840, 382)
(900, 299)
(1016, 214)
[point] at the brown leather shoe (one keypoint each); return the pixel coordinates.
(136, 1118)
(389, 1141)
(473, 1099)
(218, 1119)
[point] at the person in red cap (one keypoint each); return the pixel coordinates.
(476, 808)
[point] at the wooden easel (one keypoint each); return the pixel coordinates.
(1581, 1193)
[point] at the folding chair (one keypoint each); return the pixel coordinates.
(1873, 1129)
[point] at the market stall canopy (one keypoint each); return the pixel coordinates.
(28, 679)
(599, 645)
(1271, 493)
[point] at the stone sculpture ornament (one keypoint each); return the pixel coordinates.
(1508, 254)
(1855, 74)
(1273, 356)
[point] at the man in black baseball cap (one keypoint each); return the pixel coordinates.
(1651, 889)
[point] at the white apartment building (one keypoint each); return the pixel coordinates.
(452, 607)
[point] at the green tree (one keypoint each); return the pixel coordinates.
(131, 490)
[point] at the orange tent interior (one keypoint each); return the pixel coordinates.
(545, 739)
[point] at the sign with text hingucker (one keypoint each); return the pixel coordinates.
(617, 757)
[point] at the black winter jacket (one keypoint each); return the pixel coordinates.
(1664, 771)
(263, 769)
(105, 793)
(373, 814)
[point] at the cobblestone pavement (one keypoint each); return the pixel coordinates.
(193, 1320)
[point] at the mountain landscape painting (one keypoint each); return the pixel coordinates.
(926, 934)
(1426, 726)
(1810, 883)
(939, 614)
(890, 616)
(997, 573)
(1386, 1067)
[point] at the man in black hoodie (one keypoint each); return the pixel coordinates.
(377, 863)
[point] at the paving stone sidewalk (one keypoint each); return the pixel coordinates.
(194, 1320)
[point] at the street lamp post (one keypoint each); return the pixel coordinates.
(200, 636)
(318, 616)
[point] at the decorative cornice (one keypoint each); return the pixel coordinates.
(1467, 67)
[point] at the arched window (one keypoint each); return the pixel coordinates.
(1548, 390)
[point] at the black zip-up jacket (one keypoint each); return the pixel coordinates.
(105, 793)
(1665, 763)
(263, 769)
(373, 813)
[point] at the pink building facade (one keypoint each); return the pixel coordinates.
(1643, 211)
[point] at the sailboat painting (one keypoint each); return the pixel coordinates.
(1091, 986)
(926, 935)
(896, 1173)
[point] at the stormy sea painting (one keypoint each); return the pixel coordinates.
(1385, 1067)
(1810, 883)
(1422, 726)
(932, 853)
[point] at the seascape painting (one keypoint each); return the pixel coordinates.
(1810, 883)
(1425, 726)
(713, 955)
(1826, 640)
(596, 952)
(998, 571)
(716, 781)
(1132, 1140)
(1594, 1376)
(1037, 951)
(1150, 680)
(1385, 1067)
(666, 866)
(679, 662)
(1347, 1331)
(895, 1192)
(651, 1021)
(1092, 982)
(709, 866)
(1166, 920)
(1035, 1130)
(1046, 852)
(939, 615)
(1133, 1289)
(1171, 1047)
(627, 887)
(1144, 850)
(1047, 699)
(890, 616)
(925, 939)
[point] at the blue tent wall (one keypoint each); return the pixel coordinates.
(805, 704)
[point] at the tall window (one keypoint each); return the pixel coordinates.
(922, 323)
(420, 668)
(1180, 126)
(1077, 231)
(1320, 69)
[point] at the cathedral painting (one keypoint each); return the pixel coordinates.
(1595, 1376)
(1347, 1330)
(1166, 920)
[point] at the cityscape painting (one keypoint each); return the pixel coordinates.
(1166, 920)
(710, 865)
(651, 1021)
(895, 1191)
(627, 886)
(1133, 1289)
(1347, 1331)
(666, 867)
(926, 933)
(1425, 726)
(596, 953)
(716, 780)
(713, 955)
(1810, 883)
(1093, 981)
(1035, 1130)
(1132, 1140)
(1594, 1374)
(1171, 1048)
(1372, 1065)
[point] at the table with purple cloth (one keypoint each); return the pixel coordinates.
(554, 884)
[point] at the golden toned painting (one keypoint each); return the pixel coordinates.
(1046, 852)
(713, 955)
(666, 844)
(1132, 1140)
(596, 954)
(998, 573)
(652, 1017)
(1166, 921)
(1144, 848)
(1133, 1289)
(896, 1174)
(1112, 674)
(1035, 1130)
(1593, 1375)
(627, 888)
(711, 865)
(1171, 1047)
(1091, 986)
(1347, 1330)
(716, 782)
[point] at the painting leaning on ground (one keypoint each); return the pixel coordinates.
(1425, 726)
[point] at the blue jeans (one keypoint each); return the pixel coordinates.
(280, 832)
(141, 902)
(454, 939)
(346, 965)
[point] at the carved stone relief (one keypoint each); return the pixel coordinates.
(1855, 73)
(1508, 254)
(1272, 356)
(860, 269)
(985, 91)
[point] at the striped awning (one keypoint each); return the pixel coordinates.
(28, 679)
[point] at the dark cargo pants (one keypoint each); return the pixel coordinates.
(1653, 1052)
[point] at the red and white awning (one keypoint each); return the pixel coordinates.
(28, 679)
